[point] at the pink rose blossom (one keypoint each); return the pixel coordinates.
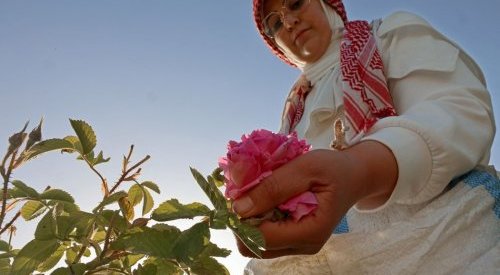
(255, 157)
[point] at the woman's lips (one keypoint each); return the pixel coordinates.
(299, 35)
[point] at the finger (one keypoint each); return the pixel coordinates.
(310, 232)
(284, 183)
(269, 254)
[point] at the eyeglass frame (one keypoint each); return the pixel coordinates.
(281, 13)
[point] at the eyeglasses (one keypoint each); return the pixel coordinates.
(273, 22)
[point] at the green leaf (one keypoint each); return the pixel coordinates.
(4, 266)
(250, 236)
(76, 269)
(132, 259)
(77, 145)
(208, 266)
(32, 209)
(99, 236)
(65, 225)
(66, 206)
(46, 146)
(212, 250)
(30, 192)
(119, 222)
(32, 255)
(87, 253)
(149, 241)
(100, 159)
(52, 260)
(46, 228)
(172, 210)
(211, 190)
(4, 246)
(218, 177)
(192, 242)
(56, 194)
(71, 253)
(14, 193)
(159, 266)
(111, 199)
(94, 160)
(151, 185)
(127, 208)
(219, 219)
(148, 202)
(116, 264)
(9, 254)
(85, 134)
(135, 194)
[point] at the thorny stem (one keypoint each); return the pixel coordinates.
(127, 159)
(4, 161)
(6, 178)
(84, 247)
(125, 174)
(108, 235)
(12, 231)
(11, 222)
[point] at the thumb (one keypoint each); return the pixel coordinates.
(283, 184)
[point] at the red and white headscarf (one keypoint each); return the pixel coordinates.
(365, 94)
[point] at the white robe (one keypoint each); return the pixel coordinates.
(443, 130)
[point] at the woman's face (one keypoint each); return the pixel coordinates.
(305, 34)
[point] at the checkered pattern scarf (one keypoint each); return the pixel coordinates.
(366, 97)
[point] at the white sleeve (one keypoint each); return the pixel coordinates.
(444, 126)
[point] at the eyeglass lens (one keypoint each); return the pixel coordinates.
(273, 22)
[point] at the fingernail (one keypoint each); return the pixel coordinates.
(243, 205)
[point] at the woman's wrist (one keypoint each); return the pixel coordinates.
(375, 173)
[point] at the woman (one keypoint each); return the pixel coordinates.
(402, 125)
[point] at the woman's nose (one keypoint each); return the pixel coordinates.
(289, 20)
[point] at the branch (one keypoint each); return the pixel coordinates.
(125, 174)
(6, 178)
(103, 180)
(108, 235)
(127, 159)
(11, 222)
(83, 248)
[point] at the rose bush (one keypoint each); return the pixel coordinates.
(252, 159)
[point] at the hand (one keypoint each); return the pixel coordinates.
(365, 173)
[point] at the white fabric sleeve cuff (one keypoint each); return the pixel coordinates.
(414, 162)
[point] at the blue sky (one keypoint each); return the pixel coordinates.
(176, 78)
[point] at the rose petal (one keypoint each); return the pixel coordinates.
(301, 205)
(233, 191)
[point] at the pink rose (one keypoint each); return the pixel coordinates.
(255, 157)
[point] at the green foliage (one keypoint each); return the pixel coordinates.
(173, 210)
(32, 255)
(211, 190)
(32, 209)
(85, 134)
(47, 146)
(151, 185)
(56, 194)
(158, 242)
(224, 217)
(28, 191)
(108, 240)
(4, 246)
(111, 199)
